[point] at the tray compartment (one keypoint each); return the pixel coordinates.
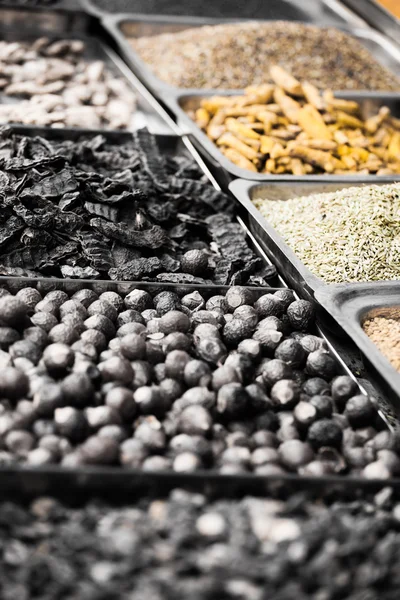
(297, 275)
(226, 171)
(169, 145)
(350, 305)
(20, 26)
(45, 479)
(134, 25)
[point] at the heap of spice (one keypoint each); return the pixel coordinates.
(385, 333)
(349, 235)
(236, 55)
(292, 128)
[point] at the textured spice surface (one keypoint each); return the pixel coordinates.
(185, 546)
(348, 235)
(162, 382)
(293, 128)
(385, 333)
(58, 87)
(235, 56)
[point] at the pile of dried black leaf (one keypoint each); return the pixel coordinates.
(91, 209)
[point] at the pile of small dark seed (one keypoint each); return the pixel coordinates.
(186, 547)
(234, 382)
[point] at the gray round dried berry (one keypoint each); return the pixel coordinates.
(133, 327)
(47, 399)
(294, 454)
(63, 334)
(12, 311)
(8, 336)
(14, 384)
(26, 349)
(138, 300)
(316, 386)
(58, 358)
(175, 363)
(217, 302)
(235, 331)
(195, 420)
(85, 297)
(301, 314)
(133, 316)
(133, 347)
(166, 301)
(268, 305)
(285, 393)
(321, 364)
(232, 400)
(56, 297)
(100, 451)
(194, 262)
(117, 369)
(291, 353)
(197, 373)
(237, 296)
(224, 375)
(71, 423)
(343, 388)
(37, 335)
(360, 411)
(251, 348)
(193, 301)
(29, 296)
(44, 320)
(325, 432)
(96, 338)
(73, 306)
(211, 350)
(275, 370)
(285, 296)
(121, 399)
(101, 307)
(174, 321)
(77, 389)
(112, 298)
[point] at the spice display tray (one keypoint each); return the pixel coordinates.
(298, 276)
(350, 305)
(226, 170)
(27, 27)
(330, 12)
(170, 145)
(65, 482)
(377, 16)
(120, 26)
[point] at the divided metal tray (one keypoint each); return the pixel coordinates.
(376, 15)
(298, 276)
(170, 145)
(28, 481)
(181, 102)
(350, 305)
(330, 12)
(18, 25)
(120, 26)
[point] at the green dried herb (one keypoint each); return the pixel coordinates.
(349, 235)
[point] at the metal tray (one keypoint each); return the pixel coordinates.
(112, 481)
(226, 170)
(170, 145)
(376, 15)
(19, 26)
(329, 12)
(297, 275)
(134, 25)
(350, 305)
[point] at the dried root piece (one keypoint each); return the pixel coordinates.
(293, 128)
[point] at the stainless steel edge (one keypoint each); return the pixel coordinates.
(293, 270)
(376, 16)
(347, 304)
(229, 170)
(375, 42)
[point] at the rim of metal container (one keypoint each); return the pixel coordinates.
(211, 151)
(348, 304)
(114, 23)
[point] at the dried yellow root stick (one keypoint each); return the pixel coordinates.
(286, 81)
(317, 158)
(228, 139)
(289, 107)
(238, 159)
(311, 121)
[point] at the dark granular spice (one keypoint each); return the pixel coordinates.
(185, 546)
(91, 209)
(140, 380)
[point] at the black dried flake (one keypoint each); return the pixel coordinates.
(96, 209)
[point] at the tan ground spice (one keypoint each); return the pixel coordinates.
(385, 333)
(238, 55)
